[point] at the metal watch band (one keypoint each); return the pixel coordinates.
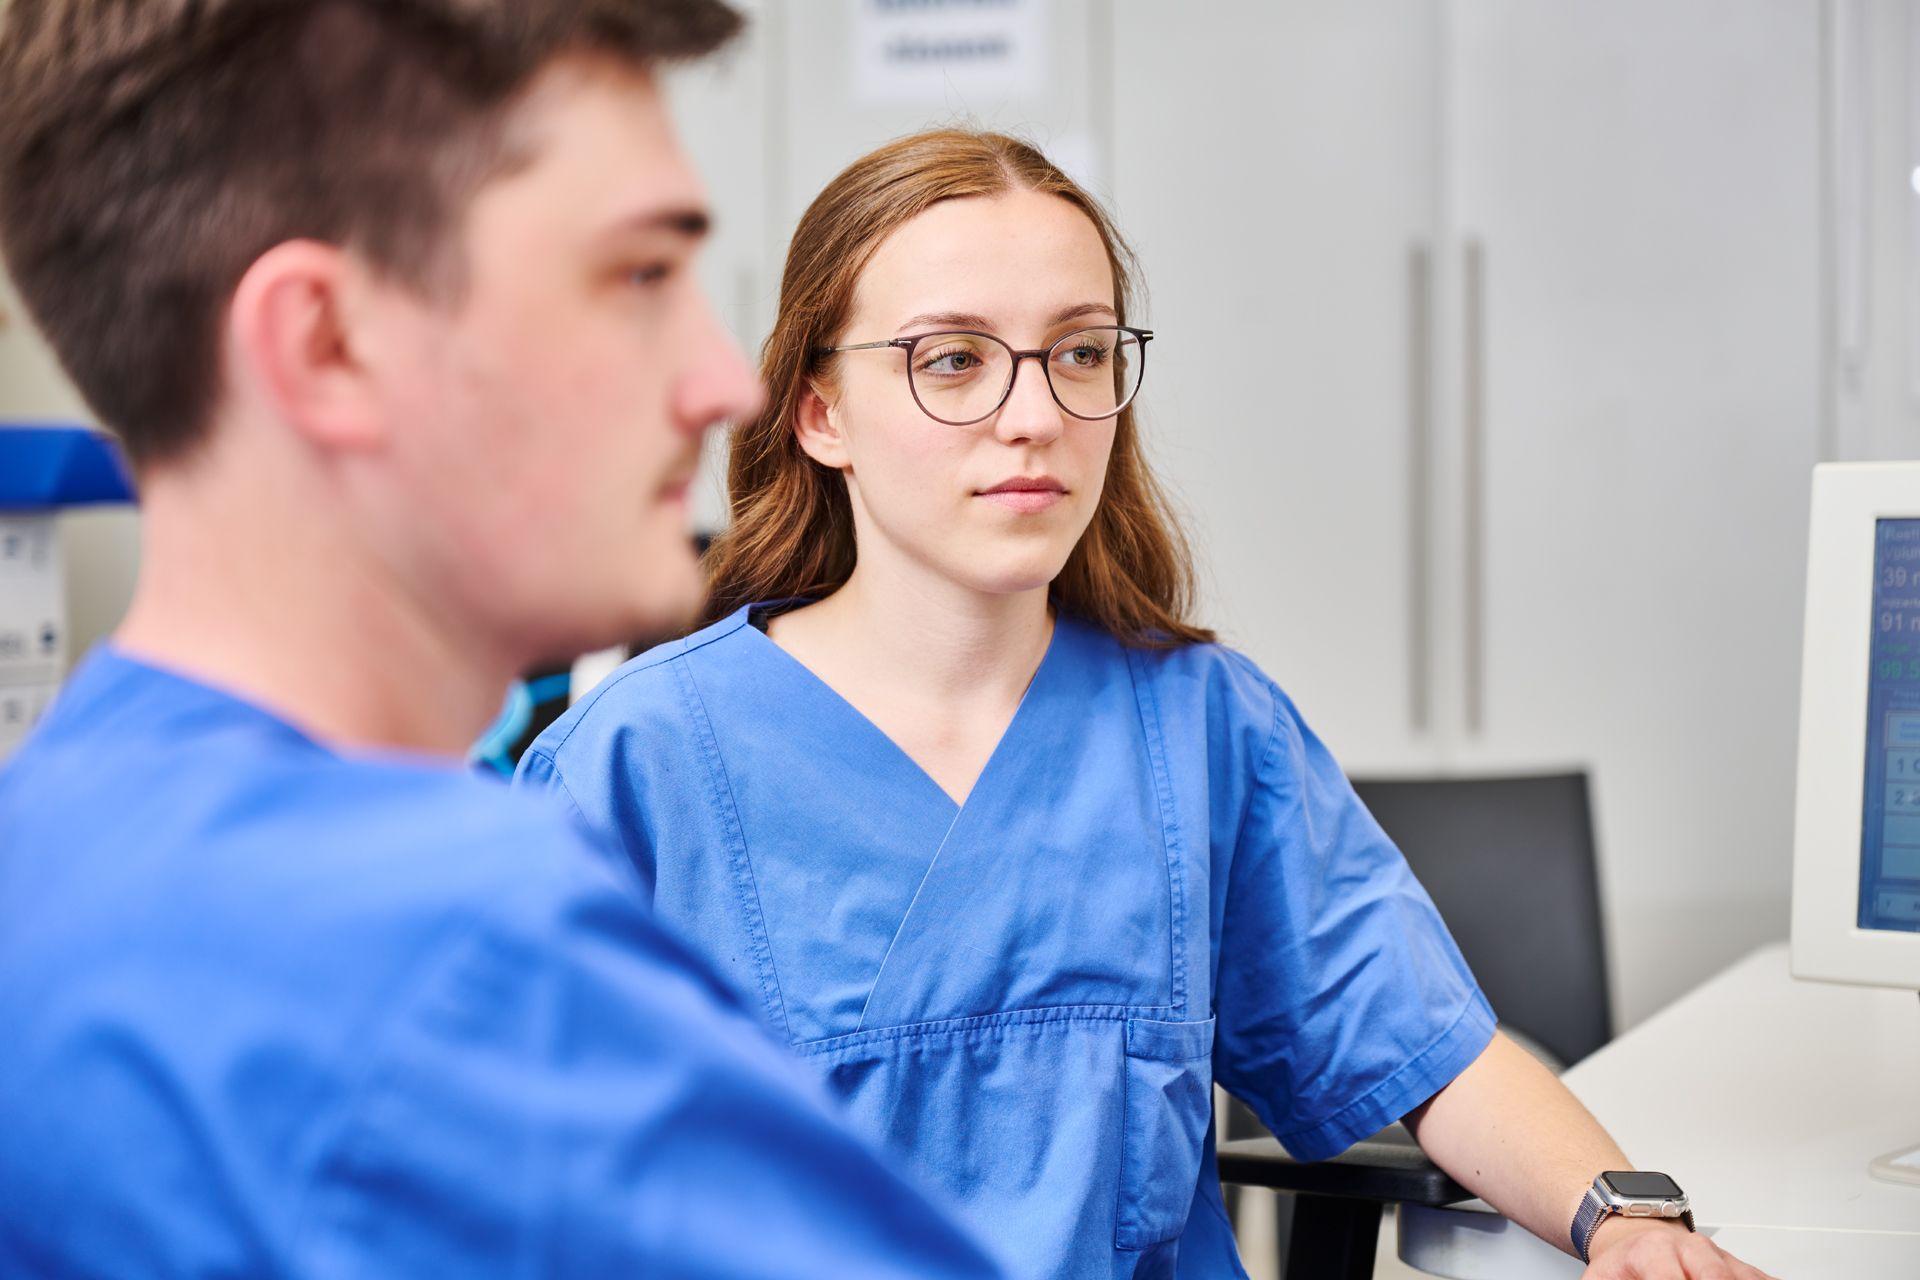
(1595, 1210)
(1592, 1212)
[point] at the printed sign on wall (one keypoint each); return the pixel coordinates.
(934, 51)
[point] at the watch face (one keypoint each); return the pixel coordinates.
(1642, 1186)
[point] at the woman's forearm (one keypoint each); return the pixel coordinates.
(1510, 1132)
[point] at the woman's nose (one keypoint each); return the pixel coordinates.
(1030, 413)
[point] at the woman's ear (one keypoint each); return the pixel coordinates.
(819, 435)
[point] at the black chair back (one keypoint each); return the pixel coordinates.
(1510, 863)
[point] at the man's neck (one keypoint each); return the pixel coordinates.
(318, 634)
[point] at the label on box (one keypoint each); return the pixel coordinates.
(33, 591)
(20, 706)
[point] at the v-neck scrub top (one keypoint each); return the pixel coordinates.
(1160, 880)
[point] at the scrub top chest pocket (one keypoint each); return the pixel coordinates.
(1169, 1104)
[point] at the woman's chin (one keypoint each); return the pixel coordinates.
(1011, 579)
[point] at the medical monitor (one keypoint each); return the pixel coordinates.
(1856, 860)
(1856, 838)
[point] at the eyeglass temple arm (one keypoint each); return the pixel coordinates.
(1145, 335)
(866, 346)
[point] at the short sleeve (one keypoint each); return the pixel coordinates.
(599, 813)
(1342, 1000)
(587, 1101)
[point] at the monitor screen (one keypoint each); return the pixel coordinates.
(1890, 827)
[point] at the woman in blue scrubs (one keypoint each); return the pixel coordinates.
(1007, 849)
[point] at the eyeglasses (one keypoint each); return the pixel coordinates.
(963, 376)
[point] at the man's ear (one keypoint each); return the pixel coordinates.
(291, 341)
(818, 433)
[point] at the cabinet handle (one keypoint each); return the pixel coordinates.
(1419, 483)
(1474, 447)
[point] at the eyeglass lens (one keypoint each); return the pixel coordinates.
(961, 378)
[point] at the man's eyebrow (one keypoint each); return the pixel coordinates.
(690, 221)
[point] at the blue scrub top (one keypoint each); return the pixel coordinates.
(1161, 880)
(274, 1010)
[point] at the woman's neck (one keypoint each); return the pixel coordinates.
(939, 669)
(950, 642)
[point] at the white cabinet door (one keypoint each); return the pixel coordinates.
(1642, 178)
(723, 109)
(1275, 167)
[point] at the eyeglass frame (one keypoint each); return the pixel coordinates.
(1142, 336)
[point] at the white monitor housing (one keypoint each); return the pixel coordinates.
(1856, 838)
(1856, 847)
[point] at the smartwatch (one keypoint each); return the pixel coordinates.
(1630, 1194)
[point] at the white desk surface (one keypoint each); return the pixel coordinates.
(1766, 1098)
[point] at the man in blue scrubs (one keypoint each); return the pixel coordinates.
(393, 306)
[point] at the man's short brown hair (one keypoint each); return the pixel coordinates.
(151, 150)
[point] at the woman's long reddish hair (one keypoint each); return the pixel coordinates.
(792, 528)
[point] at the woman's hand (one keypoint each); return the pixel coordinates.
(1626, 1249)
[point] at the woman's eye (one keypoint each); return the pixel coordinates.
(649, 275)
(1087, 355)
(951, 362)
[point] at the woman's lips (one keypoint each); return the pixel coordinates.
(1026, 495)
(1025, 500)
